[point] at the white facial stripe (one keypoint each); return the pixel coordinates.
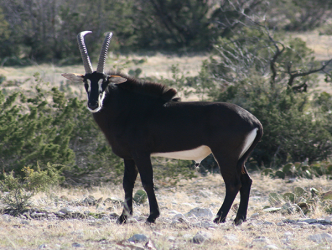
(101, 99)
(89, 85)
(94, 110)
(100, 82)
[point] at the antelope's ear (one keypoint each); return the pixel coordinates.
(116, 79)
(77, 78)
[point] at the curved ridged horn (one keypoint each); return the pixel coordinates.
(103, 52)
(84, 51)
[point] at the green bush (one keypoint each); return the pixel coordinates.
(301, 169)
(15, 192)
(45, 126)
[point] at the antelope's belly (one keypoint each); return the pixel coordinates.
(196, 154)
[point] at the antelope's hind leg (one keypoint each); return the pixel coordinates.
(129, 178)
(232, 182)
(245, 193)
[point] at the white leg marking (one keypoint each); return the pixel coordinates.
(196, 154)
(249, 140)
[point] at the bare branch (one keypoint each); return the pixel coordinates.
(274, 58)
(293, 76)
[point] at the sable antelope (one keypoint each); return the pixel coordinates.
(141, 119)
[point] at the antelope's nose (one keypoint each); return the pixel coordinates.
(93, 105)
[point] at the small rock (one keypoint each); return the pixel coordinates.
(289, 221)
(322, 227)
(254, 216)
(324, 222)
(302, 223)
(171, 238)
(231, 237)
(51, 216)
(328, 219)
(272, 209)
(187, 237)
(36, 215)
(42, 246)
(60, 214)
(205, 193)
(200, 213)
(138, 238)
(90, 217)
(271, 247)
(310, 221)
(173, 212)
(291, 180)
(200, 237)
(6, 218)
(25, 222)
(260, 239)
(90, 200)
(158, 234)
(288, 234)
(77, 245)
(205, 224)
(319, 238)
(106, 219)
(66, 210)
(178, 216)
(131, 220)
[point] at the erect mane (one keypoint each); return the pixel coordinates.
(147, 88)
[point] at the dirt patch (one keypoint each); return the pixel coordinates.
(176, 228)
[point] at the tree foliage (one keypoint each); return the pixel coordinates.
(299, 15)
(273, 78)
(45, 30)
(45, 127)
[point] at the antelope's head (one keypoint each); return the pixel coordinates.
(95, 82)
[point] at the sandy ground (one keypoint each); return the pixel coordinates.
(263, 230)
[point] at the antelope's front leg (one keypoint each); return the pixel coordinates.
(130, 174)
(144, 166)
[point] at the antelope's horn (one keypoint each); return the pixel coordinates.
(103, 52)
(84, 51)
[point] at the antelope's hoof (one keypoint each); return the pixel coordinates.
(122, 220)
(151, 219)
(239, 221)
(219, 220)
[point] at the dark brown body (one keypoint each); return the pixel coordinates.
(139, 124)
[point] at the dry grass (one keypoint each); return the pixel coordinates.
(204, 192)
(158, 65)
